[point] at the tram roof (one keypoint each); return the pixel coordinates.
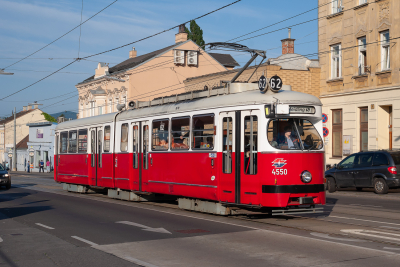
(253, 97)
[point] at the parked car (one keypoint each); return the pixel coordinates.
(5, 177)
(376, 169)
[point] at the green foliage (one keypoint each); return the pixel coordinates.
(48, 117)
(195, 33)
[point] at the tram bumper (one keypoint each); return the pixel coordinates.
(292, 195)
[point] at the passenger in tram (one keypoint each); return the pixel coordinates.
(288, 140)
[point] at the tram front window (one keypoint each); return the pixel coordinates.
(293, 134)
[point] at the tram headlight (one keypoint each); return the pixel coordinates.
(306, 176)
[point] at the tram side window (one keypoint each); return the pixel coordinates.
(203, 132)
(180, 133)
(135, 146)
(64, 142)
(227, 144)
(107, 134)
(250, 144)
(124, 137)
(160, 135)
(82, 141)
(72, 142)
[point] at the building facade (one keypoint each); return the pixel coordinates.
(360, 81)
(29, 114)
(41, 144)
(155, 74)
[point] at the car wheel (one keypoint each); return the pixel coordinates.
(8, 185)
(359, 188)
(331, 185)
(380, 186)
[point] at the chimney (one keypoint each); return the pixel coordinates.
(181, 36)
(28, 107)
(33, 105)
(288, 44)
(24, 108)
(132, 53)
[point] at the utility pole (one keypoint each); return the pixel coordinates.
(14, 168)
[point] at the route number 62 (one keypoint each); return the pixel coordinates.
(279, 171)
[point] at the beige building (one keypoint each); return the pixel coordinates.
(360, 81)
(29, 114)
(144, 77)
(296, 70)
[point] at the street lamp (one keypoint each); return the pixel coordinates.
(2, 72)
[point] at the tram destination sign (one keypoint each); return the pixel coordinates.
(301, 110)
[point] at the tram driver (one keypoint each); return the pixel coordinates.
(288, 140)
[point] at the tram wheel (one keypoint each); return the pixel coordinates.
(331, 185)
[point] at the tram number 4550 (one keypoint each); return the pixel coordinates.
(279, 171)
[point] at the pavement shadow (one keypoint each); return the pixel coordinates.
(6, 260)
(4, 197)
(22, 211)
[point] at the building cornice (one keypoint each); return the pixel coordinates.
(361, 92)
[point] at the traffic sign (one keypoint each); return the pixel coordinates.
(262, 84)
(324, 118)
(325, 131)
(275, 83)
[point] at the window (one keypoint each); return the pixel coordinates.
(347, 163)
(250, 144)
(110, 102)
(380, 159)
(337, 6)
(396, 158)
(363, 160)
(100, 137)
(336, 61)
(63, 142)
(135, 146)
(100, 110)
(227, 145)
(364, 128)
(293, 134)
(337, 133)
(82, 141)
(203, 132)
(385, 50)
(160, 135)
(145, 147)
(362, 55)
(107, 134)
(72, 142)
(124, 137)
(180, 133)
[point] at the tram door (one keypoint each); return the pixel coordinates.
(250, 187)
(228, 171)
(94, 157)
(140, 159)
(56, 155)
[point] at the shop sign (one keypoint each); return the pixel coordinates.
(347, 144)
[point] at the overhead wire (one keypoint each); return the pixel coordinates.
(61, 35)
(107, 51)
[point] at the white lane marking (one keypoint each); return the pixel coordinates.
(372, 234)
(45, 226)
(391, 248)
(146, 228)
(389, 227)
(336, 238)
(138, 206)
(362, 220)
(84, 240)
(1, 240)
(139, 262)
(365, 205)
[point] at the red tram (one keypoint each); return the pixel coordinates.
(230, 146)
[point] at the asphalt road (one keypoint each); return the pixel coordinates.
(41, 225)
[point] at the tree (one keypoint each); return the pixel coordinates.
(48, 117)
(195, 33)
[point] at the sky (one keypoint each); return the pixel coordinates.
(28, 25)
